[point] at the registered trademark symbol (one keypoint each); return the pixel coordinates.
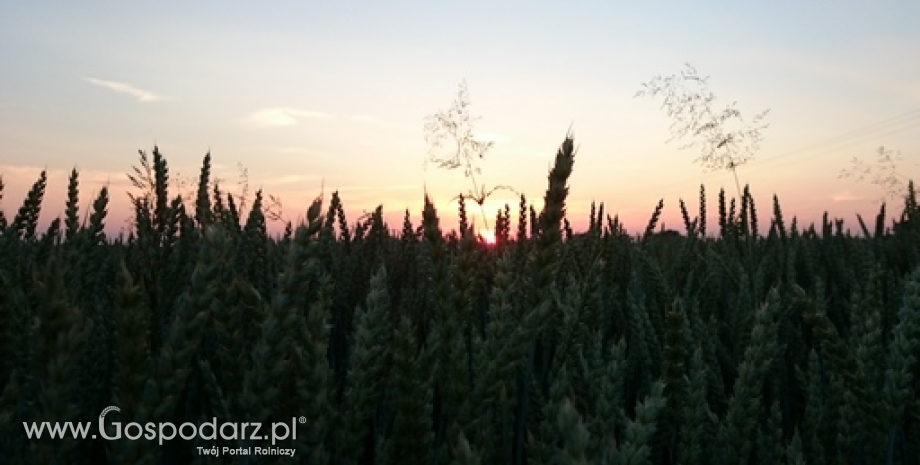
(302, 419)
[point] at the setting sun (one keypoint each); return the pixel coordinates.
(487, 235)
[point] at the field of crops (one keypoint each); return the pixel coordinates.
(381, 344)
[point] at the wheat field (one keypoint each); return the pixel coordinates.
(718, 345)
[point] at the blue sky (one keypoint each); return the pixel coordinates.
(310, 95)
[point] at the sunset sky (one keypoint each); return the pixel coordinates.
(333, 95)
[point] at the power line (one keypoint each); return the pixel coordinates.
(911, 117)
(844, 146)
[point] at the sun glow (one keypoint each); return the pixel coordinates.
(488, 236)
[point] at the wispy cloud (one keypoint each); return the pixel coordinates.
(284, 116)
(845, 196)
(141, 95)
(18, 179)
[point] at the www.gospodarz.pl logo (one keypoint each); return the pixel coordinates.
(209, 430)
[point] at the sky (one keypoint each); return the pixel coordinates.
(313, 97)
